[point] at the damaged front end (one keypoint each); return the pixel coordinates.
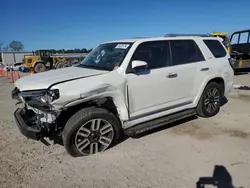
(37, 118)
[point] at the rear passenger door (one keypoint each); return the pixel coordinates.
(190, 66)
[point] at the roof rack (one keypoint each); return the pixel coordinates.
(184, 35)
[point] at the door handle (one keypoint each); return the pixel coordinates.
(205, 69)
(172, 75)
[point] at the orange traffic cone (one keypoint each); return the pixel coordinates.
(17, 75)
(32, 72)
(12, 76)
(1, 71)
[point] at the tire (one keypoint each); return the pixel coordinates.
(60, 65)
(213, 102)
(78, 131)
(39, 67)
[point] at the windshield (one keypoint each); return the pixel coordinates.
(106, 56)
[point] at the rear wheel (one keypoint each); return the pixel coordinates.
(89, 131)
(39, 67)
(60, 65)
(210, 101)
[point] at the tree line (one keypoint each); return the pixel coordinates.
(12, 46)
(18, 46)
(76, 50)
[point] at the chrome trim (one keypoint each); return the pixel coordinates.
(153, 115)
(161, 110)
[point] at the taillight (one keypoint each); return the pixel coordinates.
(231, 61)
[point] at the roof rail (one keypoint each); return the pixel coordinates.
(183, 35)
(140, 37)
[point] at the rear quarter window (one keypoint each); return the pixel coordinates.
(216, 48)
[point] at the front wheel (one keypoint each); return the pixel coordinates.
(89, 131)
(210, 101)
(39, 67)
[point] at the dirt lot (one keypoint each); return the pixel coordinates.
(176, 156)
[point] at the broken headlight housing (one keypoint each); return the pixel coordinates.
(43, 96)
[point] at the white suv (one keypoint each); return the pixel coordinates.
(124, 86)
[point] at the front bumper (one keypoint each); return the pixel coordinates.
(32, 132)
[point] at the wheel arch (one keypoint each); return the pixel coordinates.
(113, 103)
(217, 79)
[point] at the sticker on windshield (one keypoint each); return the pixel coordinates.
(122, 46)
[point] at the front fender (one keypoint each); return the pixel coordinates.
(117, 97)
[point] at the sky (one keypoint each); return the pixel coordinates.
(69, 24)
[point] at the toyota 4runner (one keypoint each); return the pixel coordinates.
(124, 87)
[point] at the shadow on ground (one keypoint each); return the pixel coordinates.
(224, 101)
(58, 140)
(167, 126)
(221, 179)
(241, 71)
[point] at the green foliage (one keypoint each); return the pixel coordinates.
(76, 50)
(16, 46)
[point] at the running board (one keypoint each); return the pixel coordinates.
(149, 125)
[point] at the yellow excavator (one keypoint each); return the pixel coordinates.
(43, 60)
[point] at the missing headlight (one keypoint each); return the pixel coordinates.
(43, 96)
(54, 94)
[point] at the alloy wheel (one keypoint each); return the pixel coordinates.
(94, 136)
(212, 100)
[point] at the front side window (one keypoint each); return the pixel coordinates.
(155, 53)
(185, 51)
(106, 56)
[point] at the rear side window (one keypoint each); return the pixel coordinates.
(185, 51)
(216, 48)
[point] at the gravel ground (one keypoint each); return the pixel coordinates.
(175, 156)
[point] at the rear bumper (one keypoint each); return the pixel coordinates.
(28, 131)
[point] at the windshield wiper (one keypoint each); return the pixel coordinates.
(85, 66)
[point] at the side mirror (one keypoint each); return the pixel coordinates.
(139, 66)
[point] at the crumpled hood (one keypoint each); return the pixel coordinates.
(44, 80)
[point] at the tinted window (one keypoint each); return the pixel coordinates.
(216, 48)
(185, 51)
(156, 54)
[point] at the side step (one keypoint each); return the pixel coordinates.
(143, 127)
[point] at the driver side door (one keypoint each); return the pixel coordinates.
(154, 90)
